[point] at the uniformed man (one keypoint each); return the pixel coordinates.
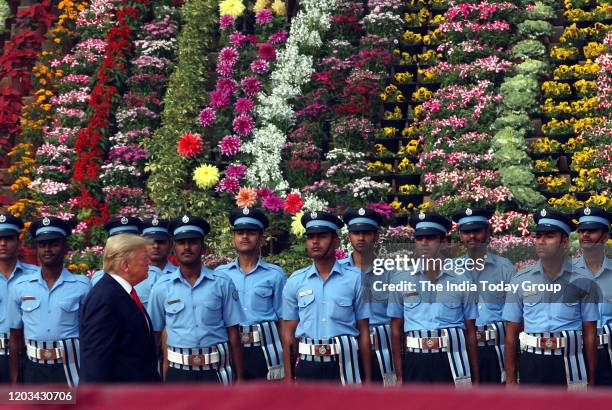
(200, 311)
(593, 234)
(130, 224)
(157, 230)
(260, 288)
(44, 308)
(363, 232)
(11, 269)
(551, 305)
(433, 315)
(325, 312)
(485, 269)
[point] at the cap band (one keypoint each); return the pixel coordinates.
(317, 224)
(153, 230)
(46, 229)
(188, 228)
(469, 219)
(9, 227)
(125, 228)
(597, 219)
(247, 220)
(424, 225)
(362, 220)
(559, 224)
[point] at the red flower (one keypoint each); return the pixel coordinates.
(293, 203)
(267, 51)
(189, 145)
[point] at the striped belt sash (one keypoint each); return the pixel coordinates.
(497, 331)
(347, 356)
(456, 351)
(222, 367)
(270, 343)
(381, 338)
(67, 354)
(570, 343)
(608, 331)
(4, 344)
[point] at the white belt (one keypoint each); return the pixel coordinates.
(193, 359)
(318, 350)
(373, 340)
(35, 353)
(603, 339)
(486, 335)
(426, 342)
(250, 337)
(542, 342)
(3, 343)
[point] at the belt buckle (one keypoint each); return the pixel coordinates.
(197, 360)
(549, 343)
(323, 350)
(48, 354)
(430, 343)
(481, 336)
(246, 338)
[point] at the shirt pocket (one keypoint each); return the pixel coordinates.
(212, 313)
(30, 311)
(261, 300)
(342, 310)
(569, 311)
(411, 301)
(450, 312)
(306, 307)
(69, 312)
(173, 312)
(531, 304)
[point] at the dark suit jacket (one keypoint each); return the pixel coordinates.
(116, 344)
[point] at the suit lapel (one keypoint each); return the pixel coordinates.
(129, 302)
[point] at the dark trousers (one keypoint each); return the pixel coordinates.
(182, 376)
(5, 375)
(488, 365)
(427, 368)
(376, 371)
(541, 369)
(255, 366)
(36, 373)
(603, 376)
(318, 371)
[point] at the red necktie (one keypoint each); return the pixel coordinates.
(138, 303)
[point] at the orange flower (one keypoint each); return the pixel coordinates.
(246, 197)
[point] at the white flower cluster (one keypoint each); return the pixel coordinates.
(293, 69)
(312, 203)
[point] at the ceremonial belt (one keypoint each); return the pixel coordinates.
(603, 339)
(450, 341)
(380, 338)
(206, 359)
(567, 343)
(493, 334)
(343, 348)
(607, 331)
(215, 357)
(4, 344)
(64, 351)
(265, 335)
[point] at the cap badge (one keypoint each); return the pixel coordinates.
(468, 212)
(155, 222)
(313, 215)
(2, 218)
(245, 211)
(361, 211)
(124, 221)
(543, 212)
(587, 211)
(46, 221)
(421, 216)
(185, 219)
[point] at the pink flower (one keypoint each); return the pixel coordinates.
(293, 203)
(267, 51)
(260, 66)
(381, 208)
(228, 55)
(279, 37)
(229, 145)
(243, 124)
(264, 192)
(226, 22)
(228, 184)
(226, 85)
(237, 39)
(341, 253)
(226, 70)
(207, 116)
(263, 17)
(243, 105)
(236, 171)
(251, 86)
(272, 203)
(219, 99)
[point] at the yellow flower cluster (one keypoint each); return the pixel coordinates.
(381, 150)
(563, 53)
(566, 202)
(586, 70)
(402, 210)
(555, 89)
(433, 37)
(409, 189)
(601, 12)
(405, 166)
(544, 146)
(429, 57)
(585, 124)
(379, 168)
(412, 38)
(408, 132)
(556, 126)
(417, 19)
(410, 149)
(430, 75)
(574, 144)
(392, 94)
(403, 78)
(601, 200)
(586, 180)
(23, 207)
(582, 107)
(583, 158)
(585, 87)
(389, 132)
(545, 165)
(405, 57)
(422, 94)
(396, 114)
(278, 7)
(553, 183)
(78, 267)
(594, 49)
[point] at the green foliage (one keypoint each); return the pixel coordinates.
(532, 67)
(535, 28)
(292, 259)
(520, 93)
(519, 122)
(5, 12)
(529, 49)
(542, 11)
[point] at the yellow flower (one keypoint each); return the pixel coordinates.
(72, 267)
(233, 8)
(593, 49)
(260, 5)
(278, 8)
(296, 224)
(205, 176)
(396, 205)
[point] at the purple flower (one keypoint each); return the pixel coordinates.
(237, 39)
(228, 185)
(251, 86)
(230, 145)
(219, 99)
(226, 85)
(381, 208)
(226, 22)
(272, 203)
(228, 55)
(236, 171)
(263, 17)
(279, 37)
(264, 192)
(226, 70)
(243, 105)
(207, 116)
(260, 66)
(243, 124)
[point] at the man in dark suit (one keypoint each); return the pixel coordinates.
(117, 342)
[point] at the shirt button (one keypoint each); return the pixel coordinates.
(48, 330)
(245, 308)
(479, 307)
(323, 319)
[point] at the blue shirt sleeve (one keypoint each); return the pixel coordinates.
(13, 310)
(278, 294)
(362, 306)
(155, 307)
(513, 308)
(232, 310)
(290, 308)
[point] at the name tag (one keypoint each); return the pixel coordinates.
(305, 293)
(172, 302)
(411, 294)
(530, 293)
(28, 298)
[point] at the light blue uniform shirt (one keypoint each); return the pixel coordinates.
(195, 316)
(603, 279)
(325, 308)
(143, 288)
(497, 270)
(423, 308)
(547, 311)
(19, 270)
(47, 314)
(373, 292)
(260, 291)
